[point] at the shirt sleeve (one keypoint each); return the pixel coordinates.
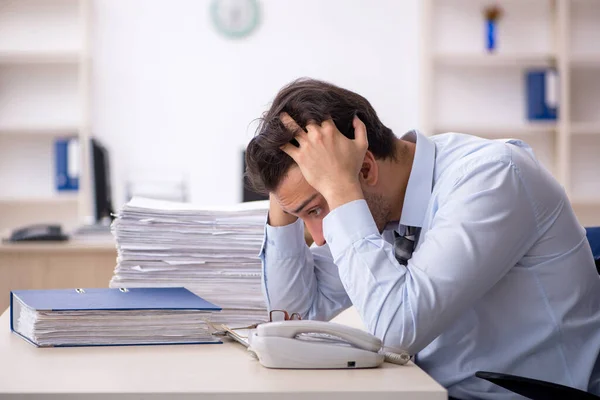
(483, 226)
(300, 279)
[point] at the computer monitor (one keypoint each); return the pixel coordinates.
(248, 194)
(101, 187)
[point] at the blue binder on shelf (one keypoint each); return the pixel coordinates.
(90, 302)
(66, 160)
(542, 94)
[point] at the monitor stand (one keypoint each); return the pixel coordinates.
(98, 229)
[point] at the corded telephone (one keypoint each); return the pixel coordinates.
(318, 345)
(46, 232)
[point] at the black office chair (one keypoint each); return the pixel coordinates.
(540, 390)
(535, 389)
(593, 235)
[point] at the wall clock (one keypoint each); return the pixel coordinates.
(235, 18)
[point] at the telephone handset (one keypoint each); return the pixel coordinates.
(318, 345)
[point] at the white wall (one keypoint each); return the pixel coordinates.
(170, 94)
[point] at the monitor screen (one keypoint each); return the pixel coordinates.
(101, 188)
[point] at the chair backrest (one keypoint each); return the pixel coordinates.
(593, 236)
(535, 389)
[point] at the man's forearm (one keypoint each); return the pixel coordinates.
(299, 279)
(288, 274)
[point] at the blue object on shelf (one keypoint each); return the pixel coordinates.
(542, 94)
(491, 34)
(66, 157)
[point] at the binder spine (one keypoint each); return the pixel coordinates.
(12, 328)
(542, 94)
(66, 153)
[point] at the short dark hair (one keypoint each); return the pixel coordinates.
(309, 101)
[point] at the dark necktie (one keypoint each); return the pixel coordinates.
(403, 249)
(405, 245)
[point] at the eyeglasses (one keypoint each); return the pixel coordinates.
(274, 316)
(282, 315)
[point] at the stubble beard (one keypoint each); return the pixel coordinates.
(380, 209)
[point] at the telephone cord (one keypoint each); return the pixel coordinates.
(396, 358)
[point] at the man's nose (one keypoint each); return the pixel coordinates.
(319, 239)
(316, 232)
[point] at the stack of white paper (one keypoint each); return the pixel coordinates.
(213, 252)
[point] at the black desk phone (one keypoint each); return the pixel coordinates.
(38, 232)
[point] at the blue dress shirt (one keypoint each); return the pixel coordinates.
(501, 279)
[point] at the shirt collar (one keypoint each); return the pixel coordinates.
(420, 182)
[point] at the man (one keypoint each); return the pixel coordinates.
(501, 277)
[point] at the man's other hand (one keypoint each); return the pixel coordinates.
(277, 217)
(329, 161)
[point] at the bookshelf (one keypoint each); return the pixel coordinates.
(494, 61)
(44, 95)
(465, 88)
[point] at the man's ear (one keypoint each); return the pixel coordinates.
(369, 171)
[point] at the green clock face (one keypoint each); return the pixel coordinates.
(235, 18)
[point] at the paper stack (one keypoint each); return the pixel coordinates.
(213, 252)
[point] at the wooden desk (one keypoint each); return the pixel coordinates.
(212, 371)
(45, 265)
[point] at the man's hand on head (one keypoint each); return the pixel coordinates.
(277, 217)
(329, 161)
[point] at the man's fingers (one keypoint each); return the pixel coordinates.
(360, 132)
(290, 150)
(292, 126)
(329, 126)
